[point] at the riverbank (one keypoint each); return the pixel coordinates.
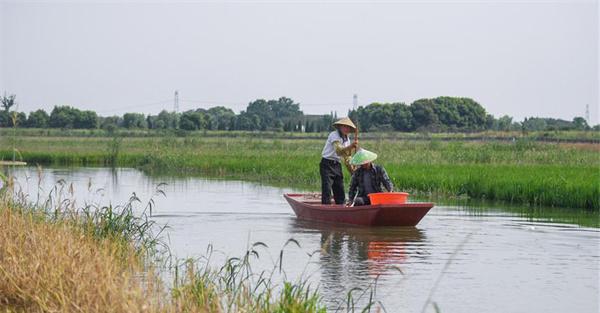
(520, 172)
(61, 258)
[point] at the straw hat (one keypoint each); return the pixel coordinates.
(345, 121)
(363, 156)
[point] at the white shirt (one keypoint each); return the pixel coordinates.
(329, 149)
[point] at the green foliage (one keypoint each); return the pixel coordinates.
(38, 119)
(441, 114)
(69, 117)
(539, 123)
(523, 171)
(8, 102)
(437, 114)
(134, 120)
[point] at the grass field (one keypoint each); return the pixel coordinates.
(521, 171)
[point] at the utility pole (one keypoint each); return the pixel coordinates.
(176, 102)
(354, 102)
(587, 113)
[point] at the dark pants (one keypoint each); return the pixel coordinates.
(331, 179)
(362, 201)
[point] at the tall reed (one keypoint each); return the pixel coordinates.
(56, 256)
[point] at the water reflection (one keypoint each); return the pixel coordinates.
(351, 254)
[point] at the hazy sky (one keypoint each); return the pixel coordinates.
(521, 58)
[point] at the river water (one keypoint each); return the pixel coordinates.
(486, 259)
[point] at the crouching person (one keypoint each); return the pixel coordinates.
(368, 178)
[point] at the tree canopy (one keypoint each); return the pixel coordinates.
(451, 114)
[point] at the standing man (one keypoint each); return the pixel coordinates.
(338, 148)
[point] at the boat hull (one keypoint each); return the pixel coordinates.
(407, 214)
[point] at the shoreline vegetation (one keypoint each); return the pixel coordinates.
(56, 257)
(517, 171)
(556, 136)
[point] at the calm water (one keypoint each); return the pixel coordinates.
(507, 263)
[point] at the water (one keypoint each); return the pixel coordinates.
(499, 261)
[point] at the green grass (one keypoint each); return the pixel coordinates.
(520, 172)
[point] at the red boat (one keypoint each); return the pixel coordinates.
(309, 207)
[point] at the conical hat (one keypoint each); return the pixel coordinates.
(345, 121)
(363, 156)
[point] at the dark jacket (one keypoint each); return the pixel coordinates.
(378, 177)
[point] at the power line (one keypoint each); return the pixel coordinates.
(149, 104)
(209, 102)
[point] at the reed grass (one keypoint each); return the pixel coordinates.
(520, 172)
(57, 257)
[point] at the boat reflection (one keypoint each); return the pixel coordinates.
(364, 252)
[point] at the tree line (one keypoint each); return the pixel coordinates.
(450, 114)
(441, 114)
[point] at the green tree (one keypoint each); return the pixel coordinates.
(38, 119)
(134, 120)
(403, 118)
(85, 119)
(194, 120)
(110, 123)
(8, 102)
(424, 116)
(580, 123)
(220, 118)
(503, 123)
(62, 117)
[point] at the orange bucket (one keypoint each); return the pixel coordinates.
(388, 197)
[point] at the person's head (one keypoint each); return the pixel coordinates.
(363, 158)
(345, 126)
(345, 130)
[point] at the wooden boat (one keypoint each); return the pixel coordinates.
(309, 207)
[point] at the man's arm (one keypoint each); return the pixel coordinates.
(344, 153)
(353, 187)
(387, 182)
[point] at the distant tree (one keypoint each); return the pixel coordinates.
(220, 118)
(579, 123)
(194, 120)
(248, 121)
(534, 124)
(163, 120)
(62, 117)
(402, 119)
(69, 117)
(187, 121)
(38, 119)
(8, 102)
(134, 120)
(503, 123)
(274, 113)
(424, 116)
(85, 120)
(490, 121)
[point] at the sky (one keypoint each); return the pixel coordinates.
(519, 58)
